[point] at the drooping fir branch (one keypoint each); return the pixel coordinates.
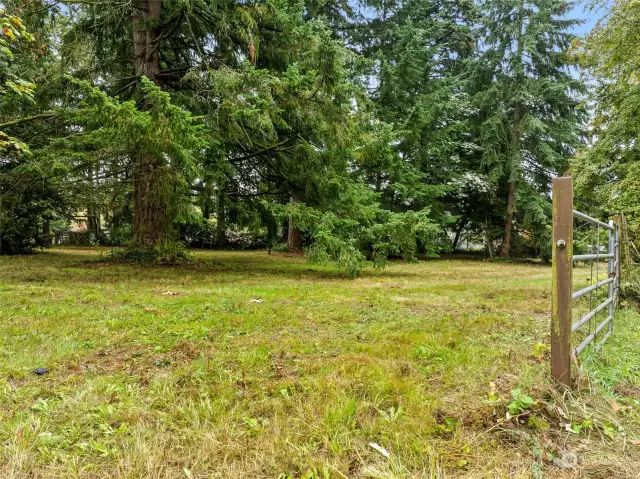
(18, 121)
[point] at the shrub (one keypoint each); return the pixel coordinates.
(630, 285)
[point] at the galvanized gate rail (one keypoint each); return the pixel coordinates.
(562, 278)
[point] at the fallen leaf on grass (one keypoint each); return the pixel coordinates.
(380, 449)
(614, 405)
(568, 460)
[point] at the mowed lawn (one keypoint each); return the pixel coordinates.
(246, 365)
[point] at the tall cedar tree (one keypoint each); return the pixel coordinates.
(528, 101)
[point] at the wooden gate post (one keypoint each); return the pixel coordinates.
(562, 273)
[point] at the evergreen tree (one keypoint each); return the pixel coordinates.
(608, 173)
(529, 117)
(357, 131)
(419, 51)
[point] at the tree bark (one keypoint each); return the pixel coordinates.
(294, 241)
(152, 189)
(461, 226)
(93, 225)
(508, 224)
(206, 207)
(152, 210)
(146, 30)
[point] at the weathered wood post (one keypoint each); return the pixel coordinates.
(562, 272)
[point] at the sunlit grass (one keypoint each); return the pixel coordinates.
(250, 365)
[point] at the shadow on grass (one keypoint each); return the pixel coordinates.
(85, 264)
(92, 265)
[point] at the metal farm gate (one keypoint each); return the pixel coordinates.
(569, 339)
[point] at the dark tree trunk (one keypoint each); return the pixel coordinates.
(152, 188)
(461, 226)
(508, 224)
(285, 230)
(294, 240)
(93, 224)
(115, 221)
(221, 215)
(206, 209)
(488, 238)
(511, 195)
(378, 182)
(146, 30)
(46, 230)
(152, 209)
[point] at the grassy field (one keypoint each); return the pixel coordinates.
(246, 365)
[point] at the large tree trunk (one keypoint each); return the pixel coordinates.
(152, 208)
(206, 206)
(93, 221)
(294, 241)
(93, 224)
(146, 30)
(511, 193)
(152, 189)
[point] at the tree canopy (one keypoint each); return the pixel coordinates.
(353, 132)
(608, 171)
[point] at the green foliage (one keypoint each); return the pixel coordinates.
(608, 174)
(12, 31)
(520, 404)
(529, 113)
(630, 285)
(375, 129)
(358, 225)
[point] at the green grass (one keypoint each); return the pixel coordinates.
(205, 383)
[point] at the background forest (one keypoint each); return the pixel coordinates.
(354, 131)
